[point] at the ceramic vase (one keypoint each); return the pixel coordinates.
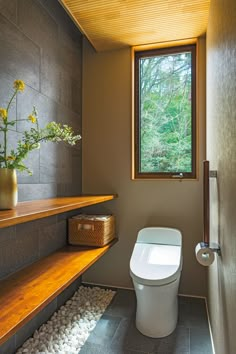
(8, 188)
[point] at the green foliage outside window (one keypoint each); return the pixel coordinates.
(165, 113)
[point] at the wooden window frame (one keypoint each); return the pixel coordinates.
(140, 53)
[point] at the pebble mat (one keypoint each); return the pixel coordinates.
(69, 327)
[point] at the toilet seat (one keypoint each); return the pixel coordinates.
(155, 264)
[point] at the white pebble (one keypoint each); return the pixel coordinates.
(70, 326)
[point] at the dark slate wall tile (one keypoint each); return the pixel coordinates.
(70, 57)
(56, 83)
(9, 347)
(20, 57)
(70, 168)
(63, 19)
(37, 24)
(27, 244)
(76, 168)
(46, 108)
(25, 332)
(66, 89)
(67, 116)
(68, 292)
(41, 46)
(6, 91)
(67, 215)
(9, 9)
(49, 160)
(31, 162)
(48, 237)
(36, 191)
(42, 317)
(45, 50)
(13, 137)
(65, 164)
(46, 313)
(8, 263)
(76, 97)
(62, 232)
(7, 234)
(50, 76)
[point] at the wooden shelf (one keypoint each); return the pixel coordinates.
(37, 209)
(28, 291)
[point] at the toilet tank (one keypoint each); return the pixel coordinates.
(160, 235)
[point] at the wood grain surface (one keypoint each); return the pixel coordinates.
(113, 24)
(37, 209)
(28, 291)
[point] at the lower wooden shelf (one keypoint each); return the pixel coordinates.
(28, 291)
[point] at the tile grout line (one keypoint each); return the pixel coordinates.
(180, 295)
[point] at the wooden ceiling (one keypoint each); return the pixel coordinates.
(113, 24)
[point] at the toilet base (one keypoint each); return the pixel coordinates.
(157, 309)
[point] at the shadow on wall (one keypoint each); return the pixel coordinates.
(223, 308)
(216, 275)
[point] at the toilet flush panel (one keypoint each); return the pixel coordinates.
(160, 235)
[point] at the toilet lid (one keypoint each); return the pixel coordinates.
(154, 264)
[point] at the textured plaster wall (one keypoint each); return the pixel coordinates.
(107, 169)
(40, 45)
(221, 151)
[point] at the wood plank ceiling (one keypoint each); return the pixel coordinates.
(114, 24)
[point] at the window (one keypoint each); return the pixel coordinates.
(165, 113)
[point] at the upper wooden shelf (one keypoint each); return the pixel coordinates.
(37, 209)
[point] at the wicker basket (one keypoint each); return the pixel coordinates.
(91, 230)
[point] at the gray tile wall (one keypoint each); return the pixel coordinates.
(16, 341)
(40, 45)
(24, 244)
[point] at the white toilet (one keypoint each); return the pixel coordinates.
(155, 268)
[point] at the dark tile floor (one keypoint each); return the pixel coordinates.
(116, 333)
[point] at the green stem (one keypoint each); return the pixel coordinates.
(5, 147)
(43, 138)
(36, 142)
(10, 102)
(6, 130)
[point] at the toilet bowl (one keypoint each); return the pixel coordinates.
(155, 268)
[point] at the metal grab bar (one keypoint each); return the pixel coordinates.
(206, 197)
(206, 207)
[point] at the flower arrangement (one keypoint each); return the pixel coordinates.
(31, 139)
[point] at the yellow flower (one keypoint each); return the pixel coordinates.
(19, 85)
(10, 158)
(3, 113)
(32, 118)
